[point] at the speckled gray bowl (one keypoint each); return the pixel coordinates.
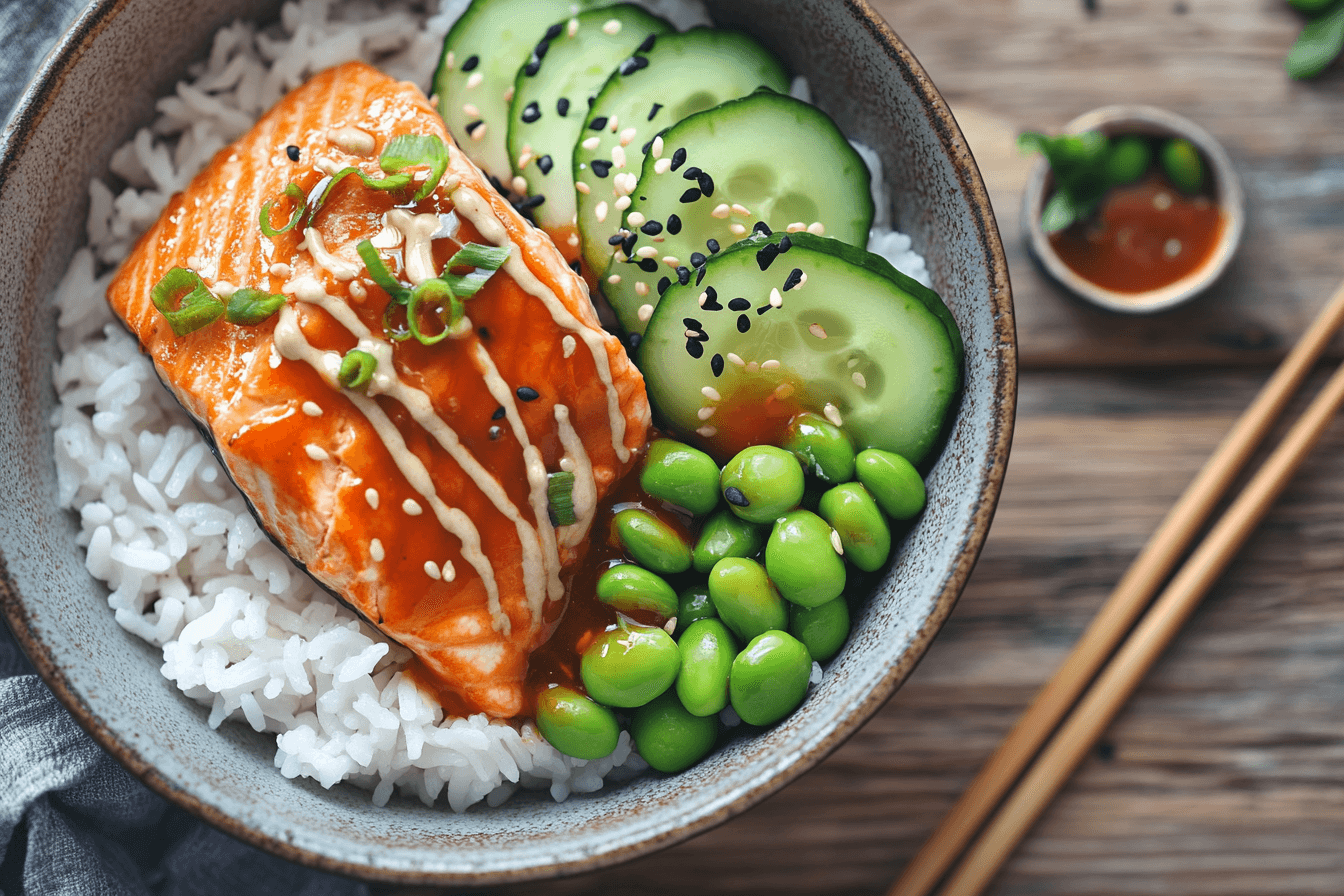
(92, 93)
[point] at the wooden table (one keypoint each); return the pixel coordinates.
(1225, 775)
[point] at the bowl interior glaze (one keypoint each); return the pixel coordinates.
(64, 133)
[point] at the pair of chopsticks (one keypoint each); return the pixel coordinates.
(1114, 683)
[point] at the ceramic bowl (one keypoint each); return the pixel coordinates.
(64, 132)
(1154, 122)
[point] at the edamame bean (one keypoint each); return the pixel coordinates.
(1182, 165)
(576, 725)
(707, 651)
(854, 515)
(802, 561)
(769, 678)
(762, 482)
(746, 599)
(1127, 158)
(724, 535)
(821, 447)
(629, 665)
(681, 475)
(822, 629)
(892, 481)
(693, 604)
(628, 587)
(652, 543)
(670, 738)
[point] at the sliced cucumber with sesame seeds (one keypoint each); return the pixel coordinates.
(481, 55)
(767, 157)
(681, 75)
(550, 101)
(814, 324)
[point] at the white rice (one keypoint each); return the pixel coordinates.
(242, 630)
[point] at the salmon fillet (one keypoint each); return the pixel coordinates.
(420, 500)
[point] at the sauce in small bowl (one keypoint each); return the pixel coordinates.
(1150, 246)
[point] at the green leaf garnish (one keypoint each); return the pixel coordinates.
(356, 369)
(185, 302)
(436, 297)
(485, 259)
(560, 498)
(1083, 170)
(1318, 45)
(248, 307)
(293, 191)
(407, 150)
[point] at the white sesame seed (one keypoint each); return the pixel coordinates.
(645, 312)
(312, 409)
(568, 344)
(1162, 201)
(371, 496)
(519, 185)
(796, 227)
(573, 239)
(662, 166)
(376, 551)
(614, 279)
(691, 334)
(601, 211)
(833, 414)
(280, 269)
(449, 571)
(618, 156)
(1171, 248)
(705, 413)
(711, 393)
(613, 26)
(524, 159)
(835, 543)
(859, 380)
(721, 210)
(582, 187)
(614, 124)
(816, 227)
(817, 330)
(432, 570)
(591, 143)
(802, 281)
(628, 135)
(783, 391)
(634, 219)
(656, 150)
(475, 80)
(641, 288)
(411, 507)
(479, 132)
(357, 291)
(852, 363)
(737, 229)
(623, 203)
(776, 300)
(450, 61)
(734, 358)
(470, 110)
(739, 209)
(572, 28)
(752, 367)
(671, 261)
(316, 452)
(646, 251)
(704, 297)
(772, 364)
(508, 94)
(708, 432)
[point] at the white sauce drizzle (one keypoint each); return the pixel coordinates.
(418, 231)
(584, 494)
(337, 267)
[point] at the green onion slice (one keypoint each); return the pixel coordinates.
(248, 307)
(560, 497)
(182, 298)
(293, 191)
(393, 182)
(449, 312)
(407, 150)
(379, 273)
(485, 259)
(395, 329)
(356, 369)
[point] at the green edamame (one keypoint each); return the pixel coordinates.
(693, 604)
(893, 482)
(746, 599)
(724, 535)
(707, 652)
(822, 629)
(769, 678)
(652, 543)
(821, 447)
(762, 482)
(576, 725)
(628, 587)
(681, 475)
(801, 559)
(863, 530)
(629, 665)
(670, 738)
(1182, 165)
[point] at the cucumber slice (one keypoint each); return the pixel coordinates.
(550, 101)
(683, 74)
(481, 55)
(842, 333)
(770, 158)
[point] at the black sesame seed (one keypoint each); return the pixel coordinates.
(531, 112)
(691, 195)
(471, 63)
(633, 340)
(533, 66)
(716, 365)
(598, 123)
(554, 31)
(733, 495)
(293, 152)
(471, 128)
(762, 228)
(691, 323)
(633, 64)
(795, 277)
(628, 247)
(663, 284)
(498, 414)
(576, 266)
(739, 304)
(711, 300)
(648, 43)
(592, 99)
(649, 266)
(648, 145)
(683, 275)
(766, 257)
(545, 163)
(743, 323)
(652, 228)
(699, 275)
(494, 181)
(542, 49)
(706, 184)
(601, 167)
(654, 111)
(697, 259)
(785, 244)
(694, 348)
(673, 225)
(526, 393)
(691, 173)
(713, 246)
(495, 432)
(531, 202)
(678, 159)
(615, 239)
(483, 332)
(562, 107)
(764, 308)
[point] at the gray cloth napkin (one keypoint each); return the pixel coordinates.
(72, 821)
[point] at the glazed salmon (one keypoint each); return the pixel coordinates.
(420, 499)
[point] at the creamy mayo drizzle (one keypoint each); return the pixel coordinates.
(337, 267)
(585, 488)
(418, 231)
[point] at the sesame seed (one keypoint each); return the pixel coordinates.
(316, 453)
(752, 367)
(576, 266)
(833, 414)
(553, 32)
(519, 185)
(733, 495)
(711, 393)
(662, 166)
(740, 209)
(1162, 201)
(673, 224)
(739, 304)
(705, 413)
(737, 229)
(601, 167)
(651, 228)
(783, 391)
(376, 551)
(612, 26)
(743, 323)
(614, 124)
(628, 135)
(293, 152)
(499, 413)
(721, 210)
(432, 570)
(776, 300)
(280, 269)
(716, 365)
(694, 348)
(691, 195)
(817, 228)
(859, 380)
(450, 60)
(618, 156)
(697, 259)
(648, 265)
(796, 227)
(568, 344)
(411, 507)
(663, 285)
(471, 63)
(656, 150)
(508, 94)
(635, 219)
(642, 289)
(648, 43)
(653, 113)
(678, 158)
(476, 130)
(627, 182)
(531, 112)
(835, 543)
(772, 364)
(524, 158)
(591, 143)
(526, 393)
(817, 331)
(358, 291)
(762, 228)
(582, 187)
(495, 432)
(531, 201)
(735, 359)
(795, 277)
(684, 275)
(647, 252)
(711, 300)
(622, 203)
(691, 334)
(713, 246)
(767, 255)
(572, 28)
(545, 163)
(802, 282)
(671, 261)
(475, 80)
(1171, 248)
(601, 211)
(785, 244)
(645, 311)
(691, 173)
(614, 279)
(449, 571)
(312, 409)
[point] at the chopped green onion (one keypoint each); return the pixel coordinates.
(560, 496)
(450, 310)
(393, 182)
(356, 369)
(485, 259)
(293, 191)
(395, 330)
(248, 307)
(380, 274)
(406, 150)
(182, 298)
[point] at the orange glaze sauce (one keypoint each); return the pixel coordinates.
(1146, 236)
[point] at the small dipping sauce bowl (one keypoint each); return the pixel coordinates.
(1222, 186)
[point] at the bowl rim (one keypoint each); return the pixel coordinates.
(32, 108)
(1136, 118)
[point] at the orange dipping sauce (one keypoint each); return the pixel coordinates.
(1145, 236)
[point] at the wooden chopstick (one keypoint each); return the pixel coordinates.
(1118, 615)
